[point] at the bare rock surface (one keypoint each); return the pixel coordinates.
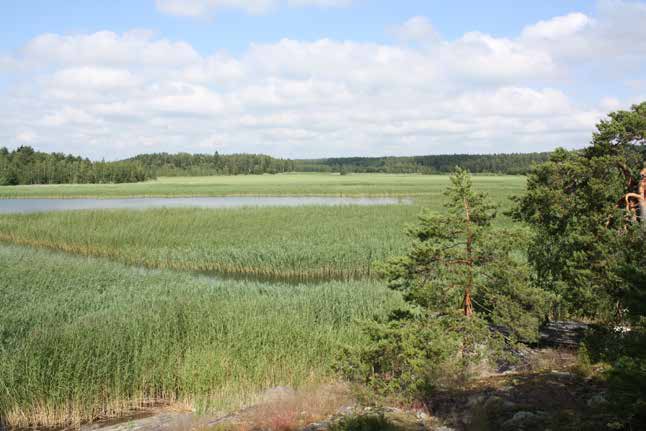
(146, 421)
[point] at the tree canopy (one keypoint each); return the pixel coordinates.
(586, 240)
(508, 164)
(588, 216)
(24, 165)
(466, 291)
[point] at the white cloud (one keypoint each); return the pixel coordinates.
(616, 33)
(68, 115)
(416, 28)
(206, 8)
(514, 102)
(480, 56)
(108, 48)
(26, 136)
(219, 68)
(610, 103)
(90, 77)
(112, 95)
(558, 27)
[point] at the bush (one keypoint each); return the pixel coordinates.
(412, 353)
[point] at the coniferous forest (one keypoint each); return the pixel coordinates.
(25, 165)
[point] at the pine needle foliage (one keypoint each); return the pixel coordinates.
(467, 294)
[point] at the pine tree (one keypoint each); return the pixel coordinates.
(467, 294)
(583, 229)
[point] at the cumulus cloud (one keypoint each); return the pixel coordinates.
(617, 32)
(558, 27)
(206, 8)
(108, 48)
(416, 28)
(91, 77)
(112, 95)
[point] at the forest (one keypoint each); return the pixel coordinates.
(25, 165)
(185, 164)
(508, 164)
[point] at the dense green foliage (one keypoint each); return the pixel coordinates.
(185, 164)
(459, 277)
(26, 166)
(311, 184)
(80, 338)
(510, 164)
(585, 244)
(589, 248)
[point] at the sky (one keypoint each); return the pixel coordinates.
(315, 78)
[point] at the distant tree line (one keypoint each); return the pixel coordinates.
(24, 165)
(168, 165)
(510, 164)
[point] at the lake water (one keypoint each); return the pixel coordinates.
(39, 205)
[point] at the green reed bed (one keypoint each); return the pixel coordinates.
(82, 338)
(296, 184)
(301, 243)
(341, 242)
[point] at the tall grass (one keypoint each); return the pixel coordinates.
(83, 338)
(304, 243)
(301, 243)
(274, 185)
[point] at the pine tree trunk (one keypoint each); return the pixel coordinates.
(468, 306)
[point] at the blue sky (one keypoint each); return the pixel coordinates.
(315, 78)
(234, 29)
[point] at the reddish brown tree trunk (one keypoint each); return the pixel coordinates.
(468, 306)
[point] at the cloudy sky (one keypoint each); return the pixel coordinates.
(315, 78)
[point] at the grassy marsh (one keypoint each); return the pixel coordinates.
(82, 338)
(92, 332)
(309, 242)
(296, 184)
(301, 243)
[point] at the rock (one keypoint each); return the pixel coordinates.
(509, 405)
(597, 400)
(392, 410)
(494, 403)
(422, 416)
(277, 393)
(316, 426)
(475, 400)
(160, 422)
(346, 411)
(522, 419)
(562, 333)
(562, 374)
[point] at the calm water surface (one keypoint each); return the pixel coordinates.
(39, 205)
